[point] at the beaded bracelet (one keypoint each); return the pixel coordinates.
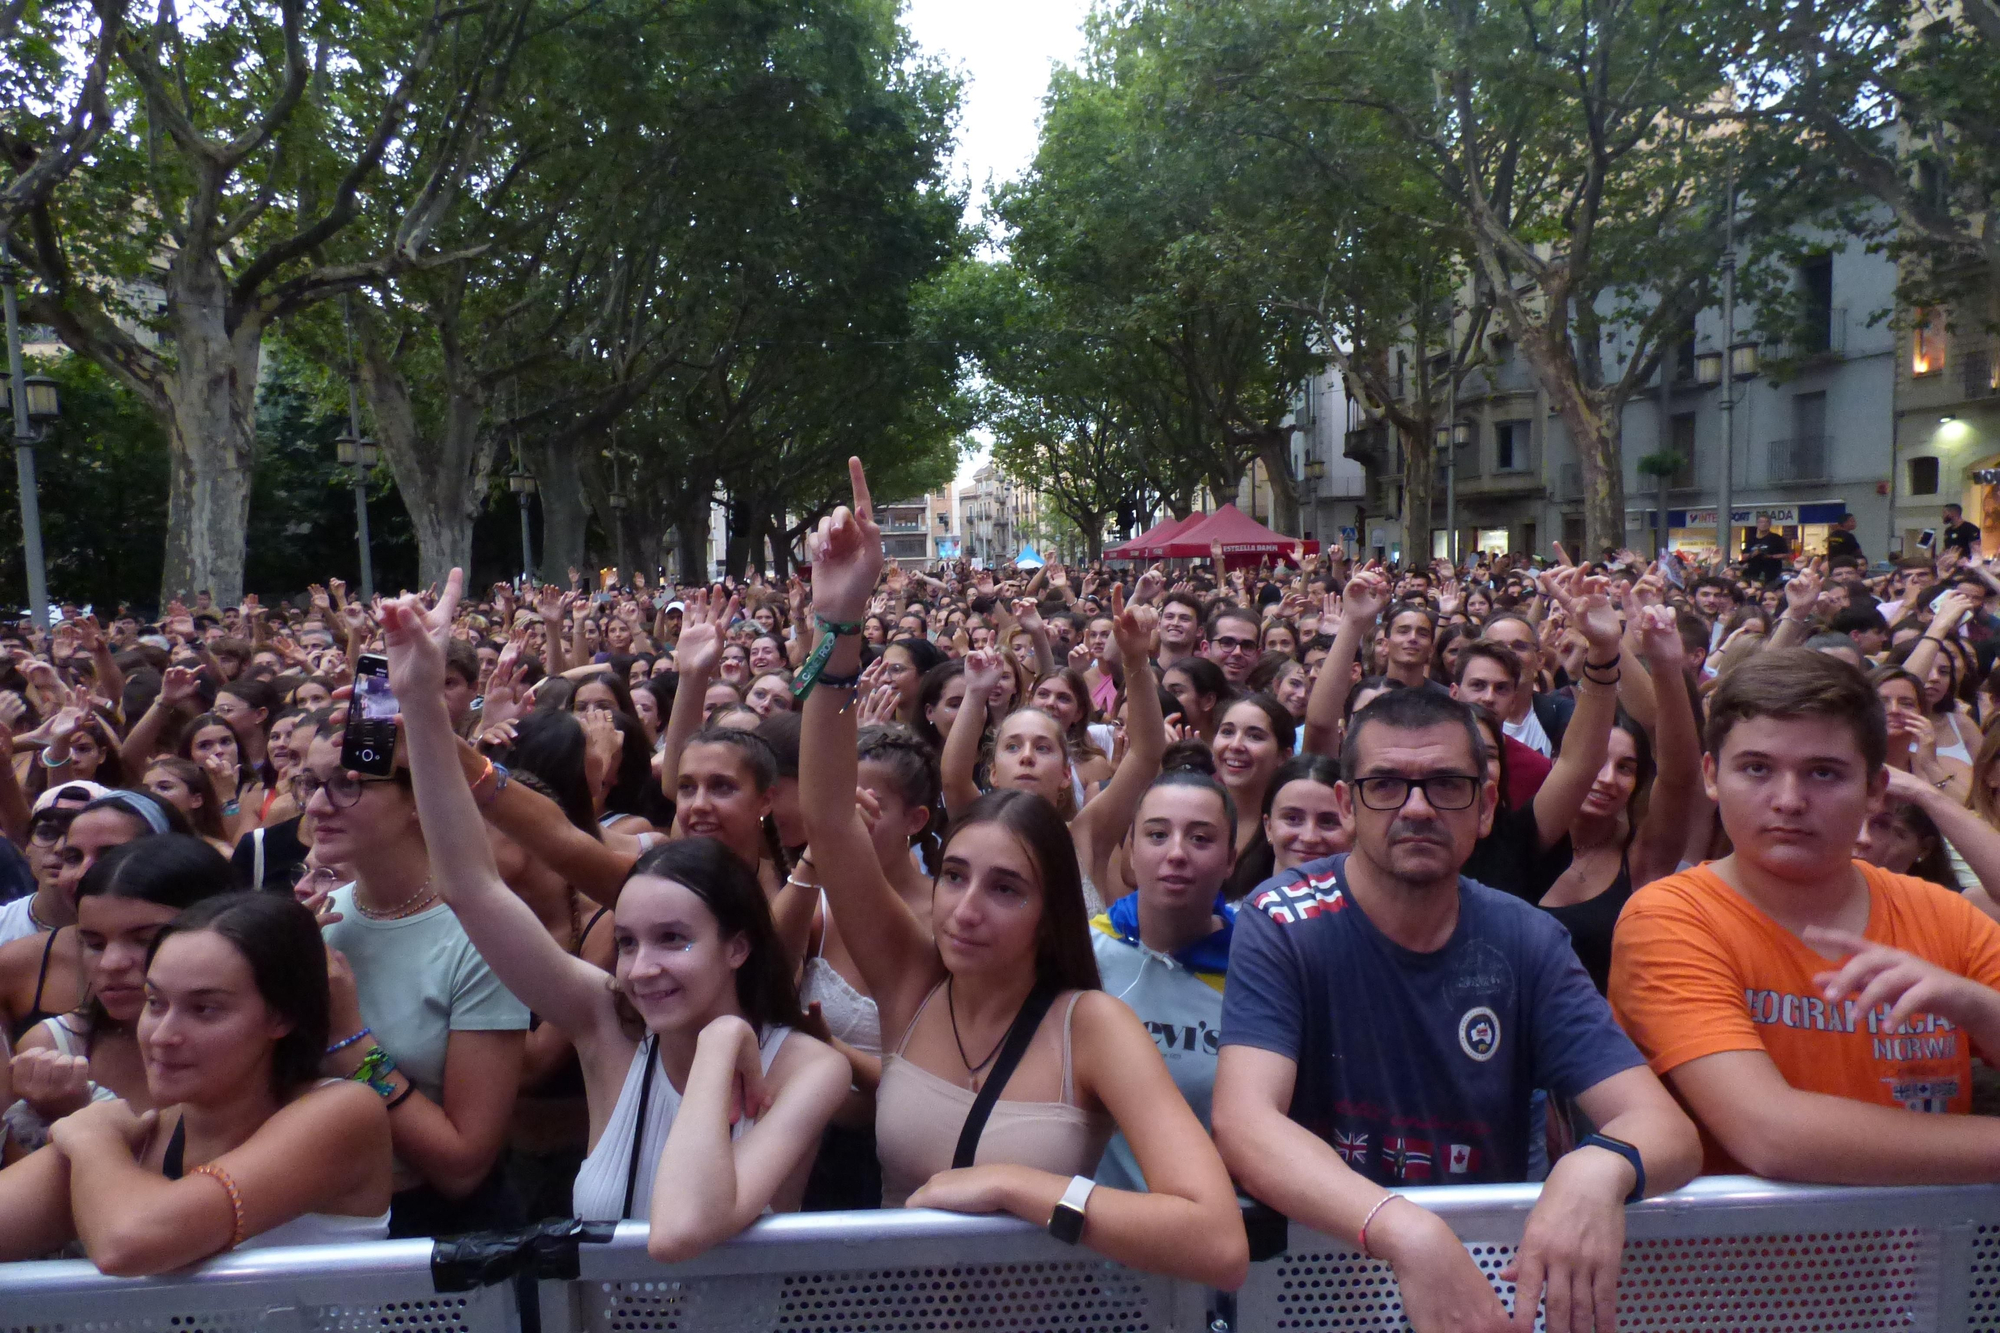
(221, 1177)
(346, 1042)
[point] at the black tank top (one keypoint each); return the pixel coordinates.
(35, 1012)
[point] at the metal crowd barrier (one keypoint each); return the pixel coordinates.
(1725, 1253)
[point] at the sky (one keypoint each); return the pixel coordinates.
(1004, 53)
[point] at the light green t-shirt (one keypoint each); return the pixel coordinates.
(419, 980)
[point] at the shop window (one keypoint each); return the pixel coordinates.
(1923, 476)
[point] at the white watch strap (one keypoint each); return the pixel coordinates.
(1078, 1193)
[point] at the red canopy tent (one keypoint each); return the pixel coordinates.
(1244, 540)
(1146, 545)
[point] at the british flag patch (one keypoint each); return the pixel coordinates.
(1301, 900)
(1353, 1148)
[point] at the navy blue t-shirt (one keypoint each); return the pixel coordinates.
(1417, 1068)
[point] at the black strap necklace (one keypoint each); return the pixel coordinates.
(951, 1008)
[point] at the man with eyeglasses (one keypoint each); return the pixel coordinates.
(1388, 1021)
(1232, 643)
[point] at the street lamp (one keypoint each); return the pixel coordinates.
(523, 484)
(1708, 368)
(1743, 359)
(34, 404)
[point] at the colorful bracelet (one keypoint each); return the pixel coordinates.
(490, 773)
(221, 1177)
(374, 1070)
(346, 1042)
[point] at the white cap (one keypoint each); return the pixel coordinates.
(78, 790)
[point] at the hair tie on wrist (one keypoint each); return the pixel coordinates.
(222, 1178)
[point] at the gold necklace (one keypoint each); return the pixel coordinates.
(405, 908)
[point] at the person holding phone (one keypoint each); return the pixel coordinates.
(417, 1013)
(694, 1074)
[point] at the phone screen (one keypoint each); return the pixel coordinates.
(1927, 538)
(369, 745)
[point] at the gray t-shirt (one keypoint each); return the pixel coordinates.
(419, 980)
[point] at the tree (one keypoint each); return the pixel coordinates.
(248, 142)
(1582, 151)
(1904, 102)
(1123, 222)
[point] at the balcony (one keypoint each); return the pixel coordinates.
(1801, 458)
(1370, 446)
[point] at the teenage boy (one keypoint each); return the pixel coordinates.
(1815, 1013)
(1387, 1022)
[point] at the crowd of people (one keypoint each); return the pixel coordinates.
(1295, 884)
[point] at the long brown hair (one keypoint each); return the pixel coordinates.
(1063, 956)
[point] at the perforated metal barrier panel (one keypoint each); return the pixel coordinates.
(1727, 1253)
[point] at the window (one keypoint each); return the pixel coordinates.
(1681, 441)
(1927, 344)
(1683, 372)
(1923, 476)
(1511, 440)
(1816, 295)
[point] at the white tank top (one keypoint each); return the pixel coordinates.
(599, 1194)
(850, 1015)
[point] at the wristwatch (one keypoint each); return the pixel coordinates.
(1628, 1152)
(1066, 1222)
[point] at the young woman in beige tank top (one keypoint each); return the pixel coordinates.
(1007, 912)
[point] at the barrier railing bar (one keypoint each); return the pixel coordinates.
(277, 1280)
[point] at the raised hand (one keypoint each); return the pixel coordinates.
(1660, 635)
(414, 637)
(179, 685)
(703, 625)
(880, 705)
(847, 554)
(982, 673)
(1133, 626)
(1593, 613)
(1366, 597)
(1801, 594)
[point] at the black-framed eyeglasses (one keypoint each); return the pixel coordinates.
(1442, 791)
(342, 789)
(47, 829)
(1229, 643)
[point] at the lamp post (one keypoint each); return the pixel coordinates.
(523, 485)
(1448, 440)
(619, 502)
(1724, 501)
(360, 454)
(35, 403)
(353, 451)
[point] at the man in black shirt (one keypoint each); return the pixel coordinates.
(1960, 535)
(1842, 541)
(1765, 552)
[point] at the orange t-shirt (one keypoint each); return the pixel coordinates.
(1697, 968)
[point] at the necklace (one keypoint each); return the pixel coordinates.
(405, 908)
(970, 1068)
(36, 921)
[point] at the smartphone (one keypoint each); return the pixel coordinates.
(369, 745)
(1927, 539)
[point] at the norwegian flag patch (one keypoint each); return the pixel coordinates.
(1301, 900)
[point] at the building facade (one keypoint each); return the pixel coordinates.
(1947, 427)
(1813, 435)
(995, 516)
